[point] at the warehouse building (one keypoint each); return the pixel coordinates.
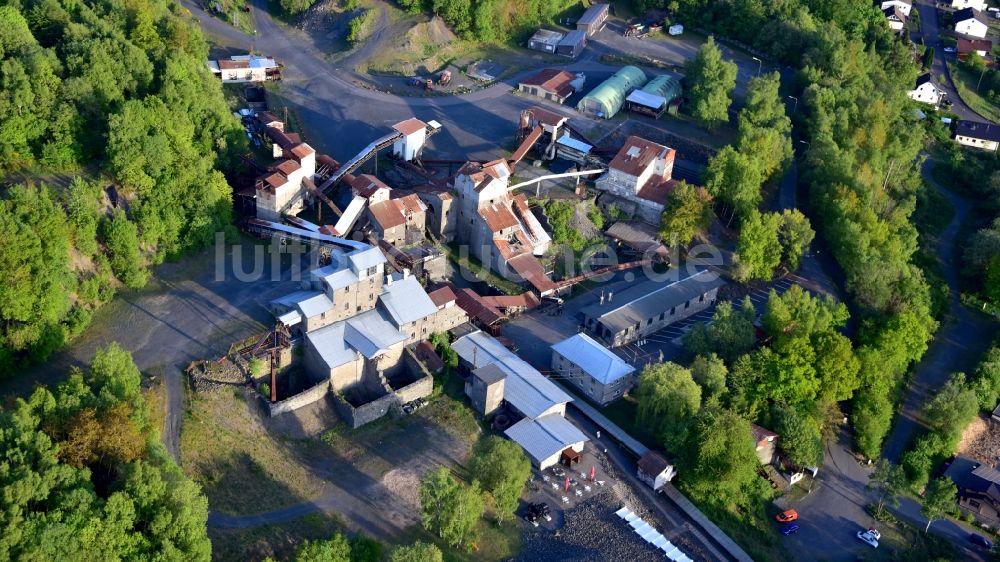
(600, 374)
(545, 40)
(572, 44)
(646, 308)
(607, 98)
(593, 19)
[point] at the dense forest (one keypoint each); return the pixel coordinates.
(491, 20)
(115, 93)
(84, 476)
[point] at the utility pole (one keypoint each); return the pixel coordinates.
(760, 63)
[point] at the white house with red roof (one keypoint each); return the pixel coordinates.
(641, 173)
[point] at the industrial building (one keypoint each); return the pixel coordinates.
(608, 98)
(551, 84)
(572, 44)
(545, 40)
(498, 380)
(600, 374)
(641, 173)
(593, 19)
(650, 306)
(653, 98)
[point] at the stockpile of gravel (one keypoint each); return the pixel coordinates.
(592, 532)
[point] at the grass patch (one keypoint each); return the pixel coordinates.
(757, 536)
(276, 541)
(156, 394)
(965, 82)
(233, 12)
(481, 273)
(240, 465)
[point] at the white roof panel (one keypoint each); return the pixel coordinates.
(290, 318)
(291, 299)
(330, 344)
(363, 259)
(647, 99)
(314, 306)
(406, 301)
(595, 359)
(372, 334)
(570, 142)
(546, 436)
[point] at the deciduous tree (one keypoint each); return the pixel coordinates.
(759, 248)
(711, 81)
(686, 214)
(939, 500)
(668, 400)
(503, 469)
(416, 552)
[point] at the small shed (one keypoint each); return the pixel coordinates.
(593, 19)
(666, 86)
(655, 470)
(645, 103)
(572, 44)
(545, 40)
(571, 149)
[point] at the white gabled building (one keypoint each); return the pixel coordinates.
(975, 4)
(904, 5)
(600, 374)
(895, 17)
(925, 91)
(972, 23)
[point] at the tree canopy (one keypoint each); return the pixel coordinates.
(711, 81)
(503, 470)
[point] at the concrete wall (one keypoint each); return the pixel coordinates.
(304, 398)
(366, 413)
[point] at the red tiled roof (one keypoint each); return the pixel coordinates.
(279, 137)
(473, 305)
(530, 269)
(442, 296)
(287, 166)
(276, 180)
(526, 300)
(393, 212)
(546, 117)
(968, 45)
(302, 150)
(268, 118)
(552, 80)
(365, 185)
(656, 190)
(494, 169)
(636, 155)
(426, 354)
(498, 217)
(760, 434)
(410, 126)
(325, 160)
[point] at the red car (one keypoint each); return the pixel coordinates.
(787, 516)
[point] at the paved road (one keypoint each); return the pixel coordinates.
(930, 30)
(959, 344)
(833, 512)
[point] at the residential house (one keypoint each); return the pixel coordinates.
(655, 470)
(971, 22)
(985, 136)
(545, 40)
(600, 374)
(245, 68)
(641, 172)
(551, 84)
(896, 18)
(926, 91)
(649, 306)
(981, 47)
(593, 19)
(974, 4)
(765, 443)
(904, 5)
(400, 221)
(978, 488)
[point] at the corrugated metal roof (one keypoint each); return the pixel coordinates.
(290, 318)
(595, 359)
(364, 259)
(314, 306)
(593, 13)
(646, 300)
(546, 436)
(570, 142)
(573, 38)
(333, 349)
(547, 37)
(372, 333)
(526, 389)
(646, 99)
(291, 299)
(406, 301)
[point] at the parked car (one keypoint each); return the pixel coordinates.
(787, 516)
(980, 540)
(789, 529)
(868, 538)
(949, 49)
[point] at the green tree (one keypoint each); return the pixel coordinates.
(735, 179)
(503, 469)
(795, 236)
(764, 128)
(800, 436)
(686, 214)
(365, 549)
(730, 334)
(334, 549)
(416, 552)
(668, 401)
(797, 313)
(711, 81)
(450, 508)
(939, 500)
(709, 371)
(888, 482)
(872, 417)
(759, 248)
(122, 239)
(720, 464)
(951, 408)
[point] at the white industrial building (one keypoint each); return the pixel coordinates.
(600, 374)
(245, 68)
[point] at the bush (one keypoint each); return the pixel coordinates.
(265, 390)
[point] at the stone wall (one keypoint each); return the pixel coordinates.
(366, 413)
(304, 398)
(422, 388)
